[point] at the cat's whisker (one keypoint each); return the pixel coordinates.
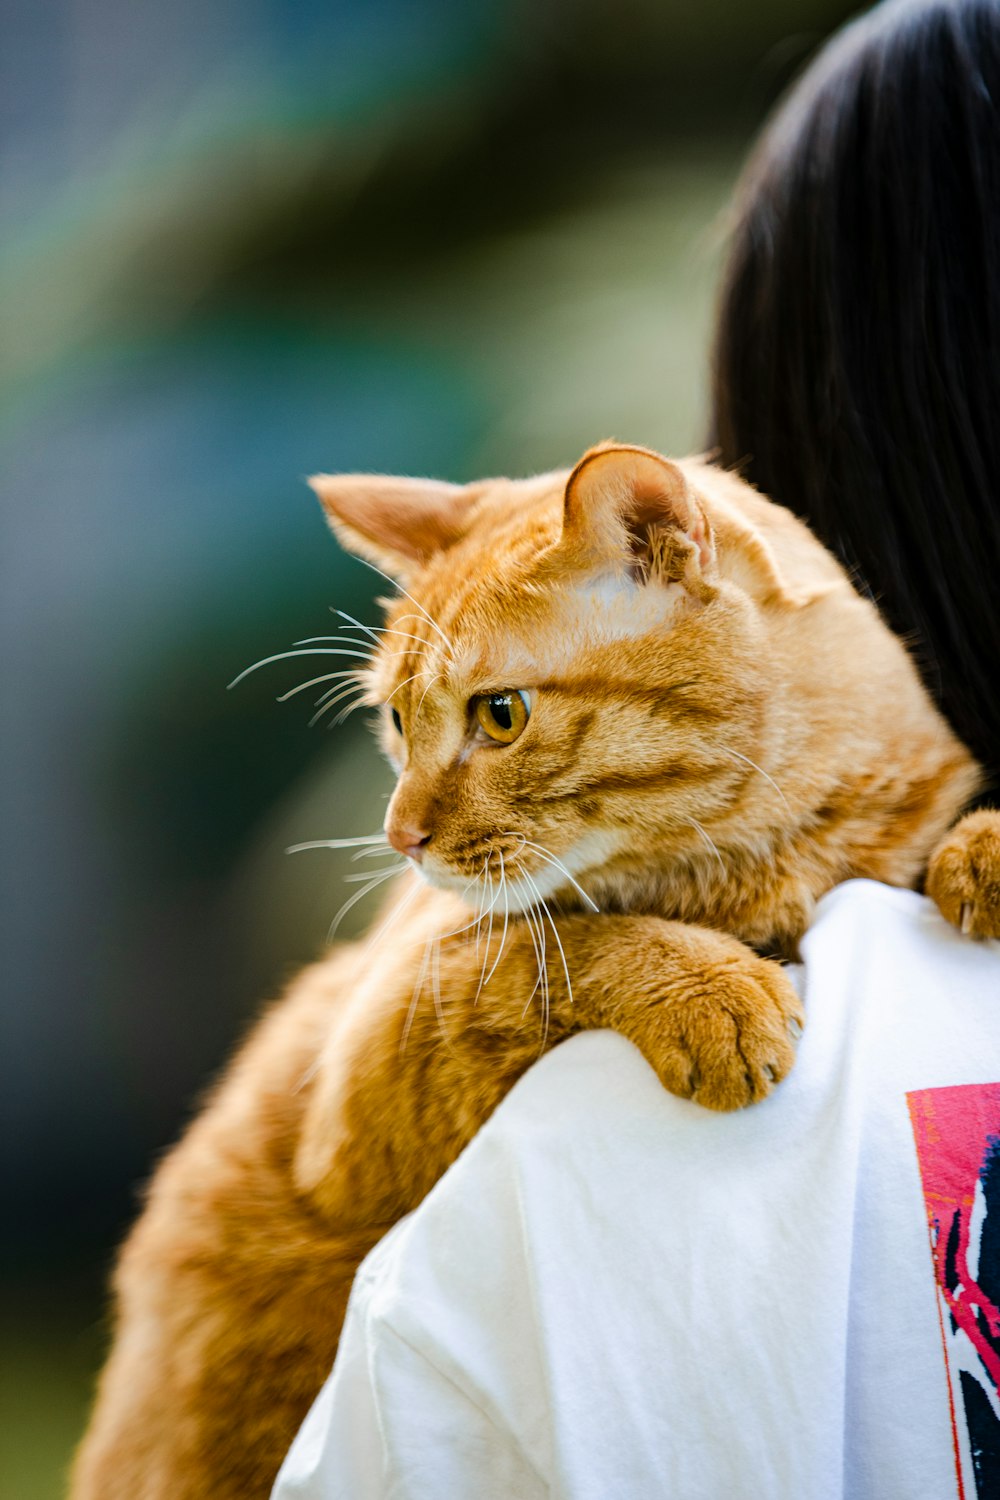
(351, 843)
(536, 909)
(709, 842)
(506, 920)
(340, 638)
(287, 655)
(738, 755)
(429, 618)
(428, 646)
(374, 881)
(337, 719)
(329, 701)
(480, 898)
(401, 685)
(396, 913)
(345, 640)
(376, 631)
(436, 678)
(547, 854)
(411, 1009)
(533, 917)
(395, 869)
(436, 989)
(350, 708)
(562, 951)
(351, 672)
(489, 932)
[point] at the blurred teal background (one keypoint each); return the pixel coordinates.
(242, 242)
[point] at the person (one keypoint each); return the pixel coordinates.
(857, 352)
(613, 1293)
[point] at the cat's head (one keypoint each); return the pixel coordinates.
(574, 675)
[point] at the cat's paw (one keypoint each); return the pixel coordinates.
(963, 876)
(729, 1036)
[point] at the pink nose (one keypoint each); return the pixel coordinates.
(408, 841)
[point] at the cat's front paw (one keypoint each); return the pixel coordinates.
(963, 876)
(726, 1033)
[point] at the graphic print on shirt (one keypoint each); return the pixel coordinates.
(957, 1133)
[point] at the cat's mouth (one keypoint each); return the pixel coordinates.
(519, 875)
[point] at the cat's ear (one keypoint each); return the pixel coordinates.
(398, 524)
(631, 505)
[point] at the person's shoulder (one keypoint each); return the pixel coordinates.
(858, 899)
(893, 945)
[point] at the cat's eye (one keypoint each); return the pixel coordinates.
(503, 715)
(397, 722)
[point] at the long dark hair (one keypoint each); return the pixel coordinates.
(857, 356)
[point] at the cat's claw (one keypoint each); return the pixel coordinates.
(963, 876)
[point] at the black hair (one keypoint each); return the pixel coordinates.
(857, 355)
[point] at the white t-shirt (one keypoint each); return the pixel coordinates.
(615, 1293)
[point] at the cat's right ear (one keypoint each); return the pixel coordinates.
(398, 524)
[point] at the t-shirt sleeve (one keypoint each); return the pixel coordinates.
(389, 1423)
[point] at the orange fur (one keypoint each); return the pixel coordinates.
(721, 729)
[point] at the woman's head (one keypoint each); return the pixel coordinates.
(857, 360)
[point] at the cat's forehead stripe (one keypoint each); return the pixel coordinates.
(564, 623)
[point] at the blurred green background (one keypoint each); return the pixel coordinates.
(243, 240)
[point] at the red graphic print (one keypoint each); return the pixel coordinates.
(957, 1133)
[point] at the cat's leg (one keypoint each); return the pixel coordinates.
(963, 876)
(231, 1288)
(412, 1072)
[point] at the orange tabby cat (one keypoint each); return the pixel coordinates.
(640, 688)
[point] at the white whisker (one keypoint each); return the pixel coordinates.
(351, 672)
(352, 843)
(759, 769)
(394, 915)
(347, 710)
(710, 843)
(506, 920)
(395, 869)
(547, 854)
(533, 915)
(436, 678)
(429, 618)
(401, 685)
(286, 655)
(411, 1009)
(489, 933)
(562, 951)
(329, 701)
(358, 896)
(379, 630)
(538, 966)
(436, 988)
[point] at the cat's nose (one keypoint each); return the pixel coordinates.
(408, 841)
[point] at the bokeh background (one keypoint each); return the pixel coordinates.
(243, 240)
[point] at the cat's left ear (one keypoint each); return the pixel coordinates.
(398, 524)
(633, 505)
